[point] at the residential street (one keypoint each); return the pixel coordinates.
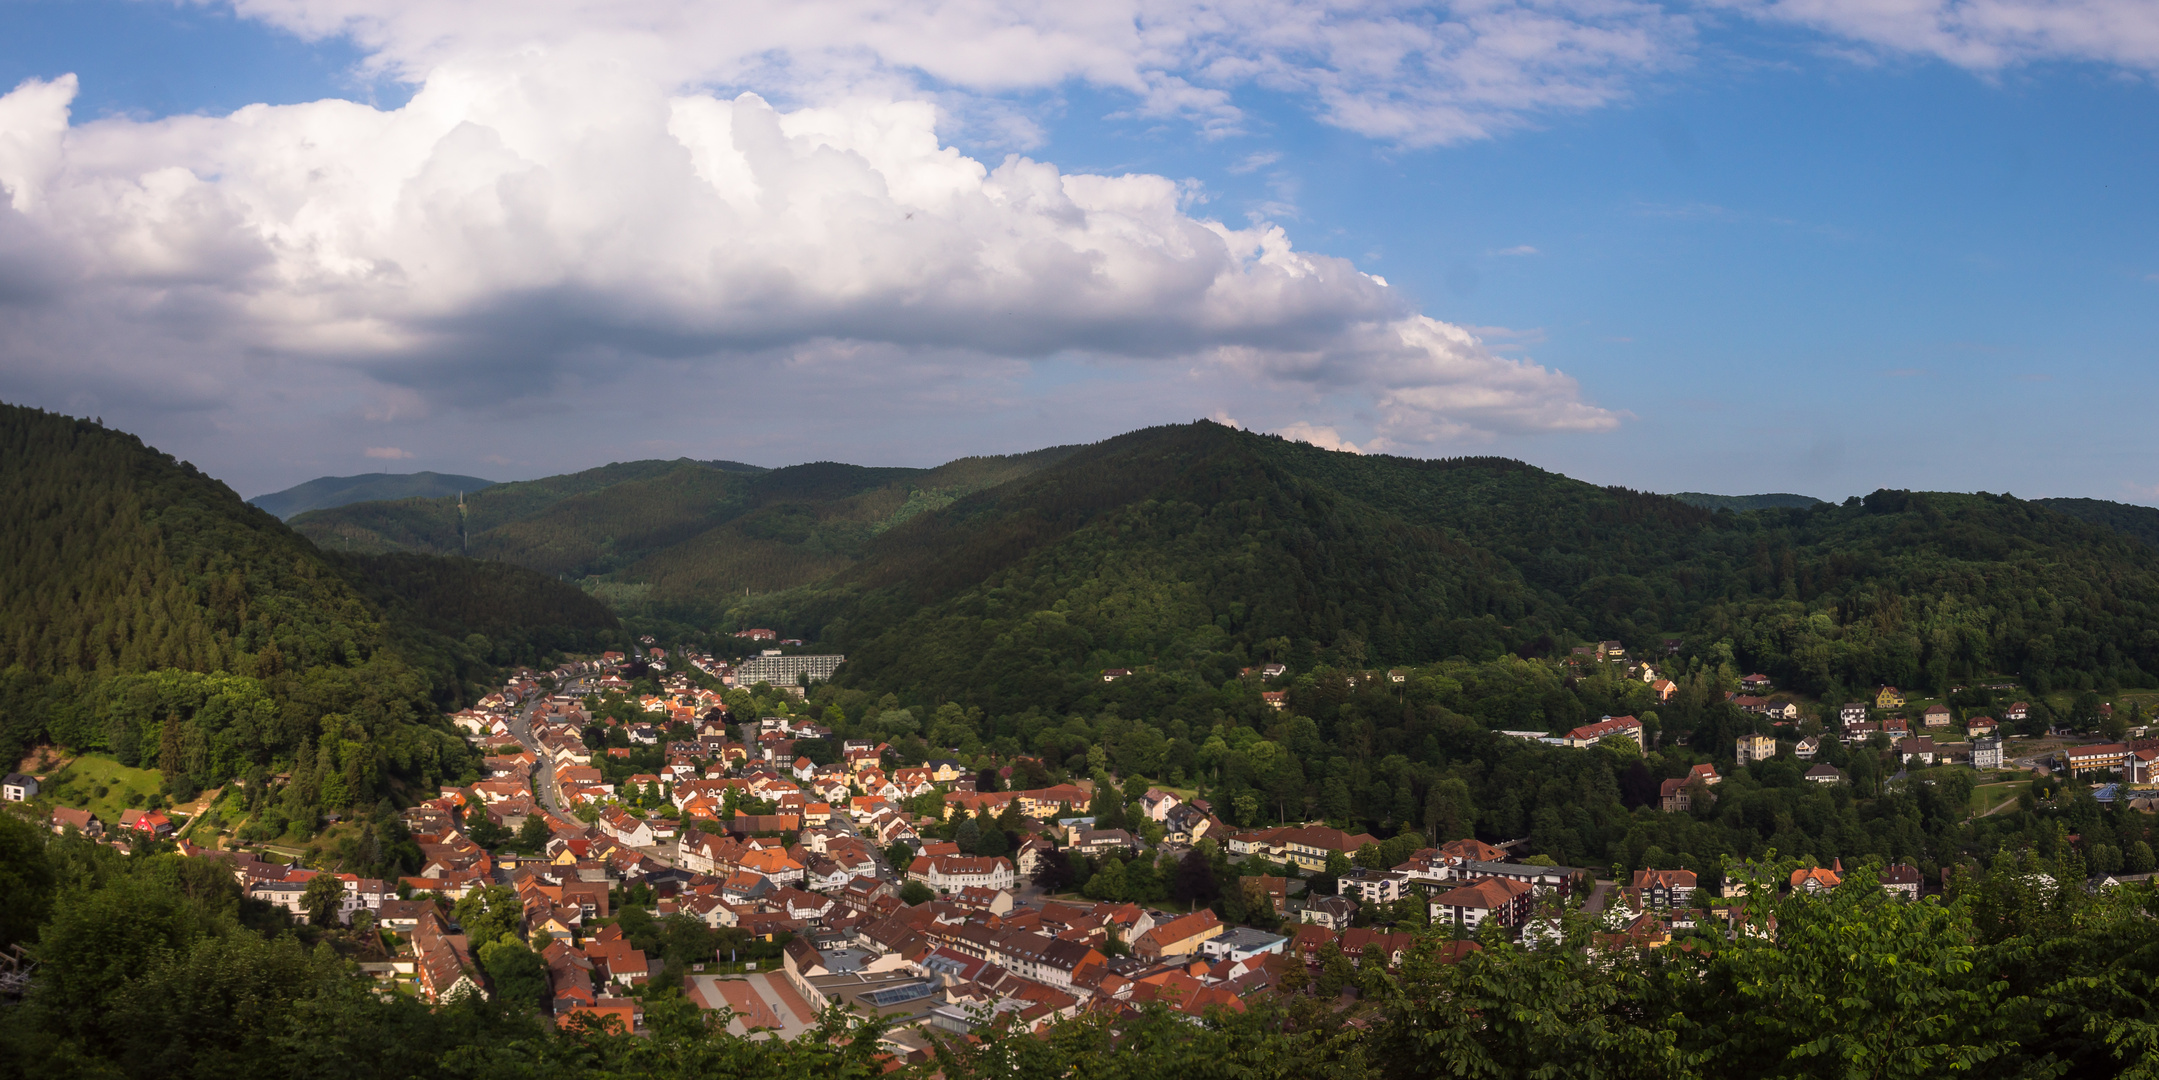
(543, 776)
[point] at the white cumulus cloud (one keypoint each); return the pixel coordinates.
(531, 222)
(1324, 437)
(1415, 72)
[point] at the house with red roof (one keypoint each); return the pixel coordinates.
(1506, 901)
(625, 827)
(442, 960)
(1665, 888)
(1180, 936)
(1611, 727)
(1814, 879)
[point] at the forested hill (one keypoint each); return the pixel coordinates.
(678, 536)
(2141, 522)
(146, 610)
(328, 491)
(1198, 549)
(1740, 504)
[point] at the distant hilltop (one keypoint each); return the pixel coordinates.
(1740, 504)
(327, 491)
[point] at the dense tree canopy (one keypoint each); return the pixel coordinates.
(146, 611)
(1205, 549)
(675, 537)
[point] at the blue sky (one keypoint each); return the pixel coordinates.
(1821, 258)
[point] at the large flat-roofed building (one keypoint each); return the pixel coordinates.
(2084, 759)
(786, 670)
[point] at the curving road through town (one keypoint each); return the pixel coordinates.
(543, 776)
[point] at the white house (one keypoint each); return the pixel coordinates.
(951, 873)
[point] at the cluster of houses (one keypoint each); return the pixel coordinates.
(812, 869)
(1657, 903)
(2137, 762)
(951, 965)
(133, 824)
(1463, 883)
(763, 840)
(971, 952)
(972, 955)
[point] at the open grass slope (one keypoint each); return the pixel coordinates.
(101, 785)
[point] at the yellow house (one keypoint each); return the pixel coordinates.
(1888, 697)
(1756, 748)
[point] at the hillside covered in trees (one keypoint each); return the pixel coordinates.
(983, 621)
(328, 491)
(146, 611)
(2141, 522)
(1204, 549)
(1740, 504)
(1190, 554)
(677, 538)
(1422, 609)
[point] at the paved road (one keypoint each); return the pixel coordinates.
(543, 777)
(845, 826)
(1600, 896)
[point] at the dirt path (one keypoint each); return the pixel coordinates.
(42, 762)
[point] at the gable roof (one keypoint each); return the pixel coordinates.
(1604, 728)
(1667, 879)
(1489, 893)
(1182, 927)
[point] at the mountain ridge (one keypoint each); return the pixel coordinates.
(682, 529)
(1369, 555)
(2130, 519)
(325, 492)
(1740, 504)
(1381, 557)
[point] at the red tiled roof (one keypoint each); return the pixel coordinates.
(1488, 893)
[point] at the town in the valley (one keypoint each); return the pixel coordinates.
(838, 866)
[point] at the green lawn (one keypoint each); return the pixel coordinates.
(79, 783)
(1986, 797)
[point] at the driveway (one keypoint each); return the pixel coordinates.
(1600, 895)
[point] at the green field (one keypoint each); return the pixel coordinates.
(1986, 797)
(78, 784)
